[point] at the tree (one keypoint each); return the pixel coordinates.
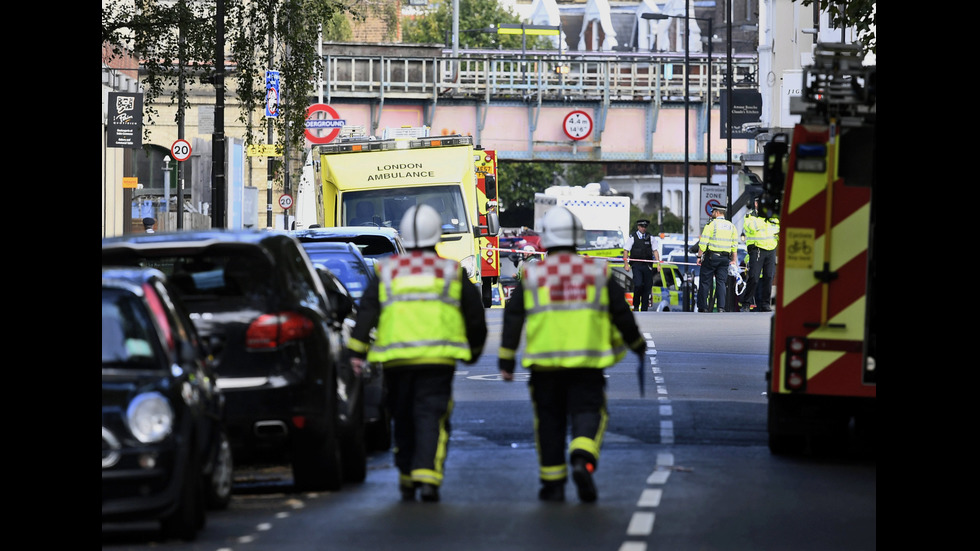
(175, 43)
(435, 26)
(860, 14)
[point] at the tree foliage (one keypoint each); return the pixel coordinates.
(435, 26)
(860, 14)
(175, 42)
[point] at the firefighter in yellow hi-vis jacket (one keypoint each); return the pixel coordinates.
(578, 323)
(428, 315)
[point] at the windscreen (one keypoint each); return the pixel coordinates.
(385, 207)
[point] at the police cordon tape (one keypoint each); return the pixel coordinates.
(606, 258)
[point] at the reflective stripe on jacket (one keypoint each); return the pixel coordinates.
(421, 320)
(568, 321)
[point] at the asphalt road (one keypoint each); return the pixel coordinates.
(686, 467)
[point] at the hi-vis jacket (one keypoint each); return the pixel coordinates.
(426, 312)
(760, 232)
(720, 236)
(577, 317)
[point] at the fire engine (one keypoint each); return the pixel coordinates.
(822, 376)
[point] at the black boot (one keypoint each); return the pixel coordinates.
(429, 492)
(552, 491)
(582, 475)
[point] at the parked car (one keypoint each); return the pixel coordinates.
(343, 260)
(373, 242)
(291, 394)
(165, 452)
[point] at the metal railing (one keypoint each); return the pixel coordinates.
(495, 75)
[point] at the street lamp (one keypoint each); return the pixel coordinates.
(687, 133)
(711, 34)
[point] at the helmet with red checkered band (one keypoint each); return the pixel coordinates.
(561, 228)
(421, 227)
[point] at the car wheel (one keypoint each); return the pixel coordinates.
(218, 493)
(189, 516)
(353, 447)
(317, 462)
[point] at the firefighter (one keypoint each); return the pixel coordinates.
(717, 249)
(577, 321)
(760, 244)
(642, 246)
(428, 315)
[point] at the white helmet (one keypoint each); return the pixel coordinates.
(423, 229)
(561, 228)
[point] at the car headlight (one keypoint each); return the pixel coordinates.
(150, 417)
(469, 264)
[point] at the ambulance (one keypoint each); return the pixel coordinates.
(372, 181)
(822, 377)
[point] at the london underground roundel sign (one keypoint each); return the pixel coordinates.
(323, 124)
(578, 125)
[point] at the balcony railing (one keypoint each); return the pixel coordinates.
(495, 75)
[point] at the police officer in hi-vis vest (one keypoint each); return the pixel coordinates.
(760, 243)
(428, 316)
(717, 250)
(578, 323)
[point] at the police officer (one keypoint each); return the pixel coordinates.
(428, 315)
(148, 224)
(760, 244)
(577, 319)
(716, 250)
(640, 245)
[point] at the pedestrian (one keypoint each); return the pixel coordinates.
(427, 315)
(641, 252)
(148, 224)
(528, 256)
(716, 251)
(760, 245)
(578, 323)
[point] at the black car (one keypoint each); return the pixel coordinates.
(291, 394)
(165, 453)
(373, 242)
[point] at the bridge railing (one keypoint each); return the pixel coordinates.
(491, 74)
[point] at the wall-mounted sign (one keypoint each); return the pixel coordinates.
(578, 125)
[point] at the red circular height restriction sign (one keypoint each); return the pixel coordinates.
(578, 125)
(323, 124)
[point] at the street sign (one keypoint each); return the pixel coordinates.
(285, 201)
(181, 150)
(319, 117)
(272, 94)
(578, 125)
(264, 150)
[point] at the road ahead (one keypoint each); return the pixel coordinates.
(684, 468)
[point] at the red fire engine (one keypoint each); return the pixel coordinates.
(822, 377)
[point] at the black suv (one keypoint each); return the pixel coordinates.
(291, 394)
(165, 452)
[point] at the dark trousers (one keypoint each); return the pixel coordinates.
(714, 269)
(762, 267)
(642, 285)
(560, 397)
(420, 401)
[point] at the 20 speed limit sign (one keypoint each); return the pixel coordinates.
(181, 150)
(285, 201)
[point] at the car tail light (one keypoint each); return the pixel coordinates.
(275, 330)
(794, 377)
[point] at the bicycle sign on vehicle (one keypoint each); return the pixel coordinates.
(285, 201)
(181, 150)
